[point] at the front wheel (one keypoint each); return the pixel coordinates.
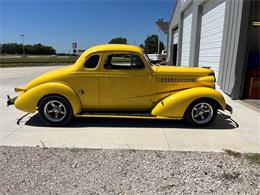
(55, 110)
(201, 113)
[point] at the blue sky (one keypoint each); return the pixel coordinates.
(58, 23)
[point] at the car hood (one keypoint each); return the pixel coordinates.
(179, 70)
(56, 75)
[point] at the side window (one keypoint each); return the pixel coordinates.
(124, 61)
(92, 62)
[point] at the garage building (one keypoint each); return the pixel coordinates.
(220, 34)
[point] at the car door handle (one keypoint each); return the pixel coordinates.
(103, 78)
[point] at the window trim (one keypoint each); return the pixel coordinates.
(121, 53)
(88, 57)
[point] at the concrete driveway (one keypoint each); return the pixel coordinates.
(241, 133)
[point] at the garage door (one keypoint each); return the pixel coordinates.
(186, 39)
(212, 25)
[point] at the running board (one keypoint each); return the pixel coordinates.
(123, 115)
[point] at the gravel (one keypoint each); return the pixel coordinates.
(28, 170)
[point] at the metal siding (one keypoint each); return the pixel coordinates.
(169, 49)
(227, 50)
(175, 21)
(229, 78)
(245, 14)
(175, 37)
(231, 64)
(230, 51)
(235, 42)
(212, 25)
(186, 40)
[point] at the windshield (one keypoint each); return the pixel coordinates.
(148, 59)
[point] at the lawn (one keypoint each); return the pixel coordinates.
(19, 61)
(16, 61)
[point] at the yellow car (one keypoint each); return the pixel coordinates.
(119, 81)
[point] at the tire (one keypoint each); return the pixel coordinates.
(55, 110)
(201, 113)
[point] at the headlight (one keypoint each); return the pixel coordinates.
(213, 74)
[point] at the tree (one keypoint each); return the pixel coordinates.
(15, 48)
(151, 44)
(118, 40)
(141, 45)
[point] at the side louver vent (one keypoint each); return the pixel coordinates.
(176, 79)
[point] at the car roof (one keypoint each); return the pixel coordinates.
(107, 47)
(114, 47)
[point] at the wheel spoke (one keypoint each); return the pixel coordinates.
(52, 104)
(56, 115)
(50, 111)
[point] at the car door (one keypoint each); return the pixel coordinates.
(125, 83)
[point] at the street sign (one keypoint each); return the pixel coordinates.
(74, 45)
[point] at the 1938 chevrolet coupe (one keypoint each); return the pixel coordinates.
(119, 81)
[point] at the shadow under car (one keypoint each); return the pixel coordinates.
(222, 122)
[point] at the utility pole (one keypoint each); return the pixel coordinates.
(159, 41)
(22, 36)
(146, 45)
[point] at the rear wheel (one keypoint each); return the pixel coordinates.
(201, 113)
(55, 110)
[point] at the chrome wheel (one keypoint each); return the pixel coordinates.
(202, 113)
(54, 111)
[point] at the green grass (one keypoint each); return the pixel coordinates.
(158, 153)
(9, 60)
(14, 61)
(28, 61)
(13, 65)
(254, 158)
(232, 153)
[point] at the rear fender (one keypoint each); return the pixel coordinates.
(29, 100)
(176, 104)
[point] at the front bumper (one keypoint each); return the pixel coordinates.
(10, 101)
(229, 108)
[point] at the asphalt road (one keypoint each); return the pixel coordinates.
(240, 133)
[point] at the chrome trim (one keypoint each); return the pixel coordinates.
(229, 108)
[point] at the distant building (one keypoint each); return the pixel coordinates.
(80, 51)
(221, 34)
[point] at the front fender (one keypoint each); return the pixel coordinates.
(28, 100)
(176, 104)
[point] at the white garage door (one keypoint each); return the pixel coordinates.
(212, 25)
(186, 39)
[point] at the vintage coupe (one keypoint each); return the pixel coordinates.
(119, 81)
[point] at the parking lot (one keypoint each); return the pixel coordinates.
(241, 132)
